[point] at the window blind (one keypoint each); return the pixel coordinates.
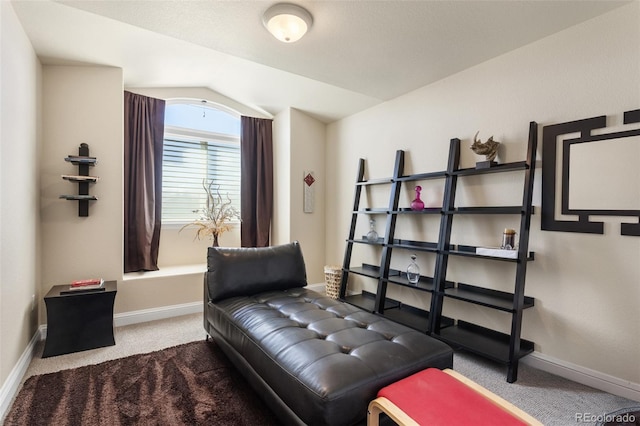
(186, 165)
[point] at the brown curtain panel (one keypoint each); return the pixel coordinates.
(256, 181)
(143, 141)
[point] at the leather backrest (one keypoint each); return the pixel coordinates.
(250, 270)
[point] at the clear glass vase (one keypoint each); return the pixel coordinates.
(372, 235)
(413, 270)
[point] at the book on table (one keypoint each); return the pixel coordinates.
(88, 284)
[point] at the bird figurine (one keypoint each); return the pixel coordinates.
(489, 148)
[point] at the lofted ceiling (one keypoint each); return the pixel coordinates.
(357, 54)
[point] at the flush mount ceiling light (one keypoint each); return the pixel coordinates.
(287, 22)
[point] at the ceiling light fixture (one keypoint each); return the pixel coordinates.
(287, 22)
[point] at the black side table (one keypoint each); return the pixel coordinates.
(80, 320)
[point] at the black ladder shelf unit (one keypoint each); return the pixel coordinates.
(504, 348)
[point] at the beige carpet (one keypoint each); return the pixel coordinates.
(131, 339)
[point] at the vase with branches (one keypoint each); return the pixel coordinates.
(216, 214)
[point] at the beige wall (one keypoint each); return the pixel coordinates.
(198, 93)
(81, 104)
(85, 104)
(299, 146)
(308, 154)
(19, 186)
(280, 230)
(585, 286)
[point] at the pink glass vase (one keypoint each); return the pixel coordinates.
(417, 204)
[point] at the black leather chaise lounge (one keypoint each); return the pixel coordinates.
(313, 359)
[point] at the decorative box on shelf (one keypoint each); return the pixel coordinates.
(497, 252)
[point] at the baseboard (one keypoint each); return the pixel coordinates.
(583, 375)
(10, 386)
(164, 312)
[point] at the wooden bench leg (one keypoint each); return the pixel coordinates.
(383, 405)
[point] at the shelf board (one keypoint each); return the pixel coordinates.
(428, 210)
(483, 341)
(380, 210)
(371, 271)
(487, 210)
(79, 159)
(415, 245)
(422, 176)
(363, 240)
(506, 167)
(366, 270)
(380, 181)
(361, 301)
(470, 251)
(486, 297)
(75, 178)
(79, 197)
(415, 318)
(424, 284)
(367, 301)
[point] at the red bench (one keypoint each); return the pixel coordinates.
(444, 397)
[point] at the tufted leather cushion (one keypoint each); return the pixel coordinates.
(325, 359)
(249, 270)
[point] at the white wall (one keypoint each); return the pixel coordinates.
(586, 286)
(85, 104)
(308, 154)
(81, 104)
(299, 146)
(280, 228)
(198, 93)
(19, 186)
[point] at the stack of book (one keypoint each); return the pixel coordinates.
(91, 284)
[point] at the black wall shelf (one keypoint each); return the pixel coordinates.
(505, 348)
(84, 162)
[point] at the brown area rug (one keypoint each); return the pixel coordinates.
(190, 384)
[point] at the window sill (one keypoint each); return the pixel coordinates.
(167, 271)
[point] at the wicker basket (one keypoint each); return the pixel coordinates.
(332, 278)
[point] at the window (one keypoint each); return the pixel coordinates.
(201, 143)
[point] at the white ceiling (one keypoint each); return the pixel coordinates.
(357, 54)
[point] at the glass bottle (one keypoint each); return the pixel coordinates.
(413, 270)
(417, 203)
(372, 235)
(508, 239)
